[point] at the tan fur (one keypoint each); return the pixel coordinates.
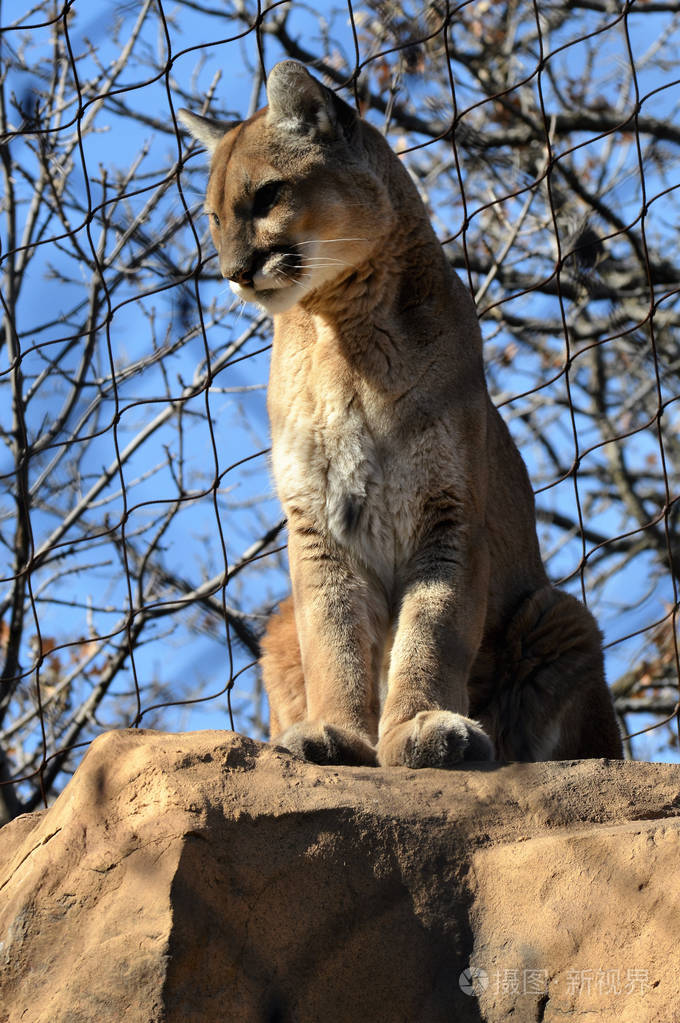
(422, 629)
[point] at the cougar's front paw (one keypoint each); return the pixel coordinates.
(327, 744)
(434, 738)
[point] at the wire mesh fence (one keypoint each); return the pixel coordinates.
(143, 546)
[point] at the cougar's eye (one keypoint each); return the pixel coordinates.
(215, 219)
(266, 197)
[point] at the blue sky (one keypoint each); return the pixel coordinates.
(246, 505)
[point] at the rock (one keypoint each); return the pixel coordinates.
(208, 877)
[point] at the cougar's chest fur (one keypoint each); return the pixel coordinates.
(344, 459)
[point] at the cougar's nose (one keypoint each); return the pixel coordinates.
(242, 274)
(244, 277)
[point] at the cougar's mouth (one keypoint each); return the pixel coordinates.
(276, 282)
(284, 274)
(280, 268)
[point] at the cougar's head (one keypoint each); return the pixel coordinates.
(295, 198)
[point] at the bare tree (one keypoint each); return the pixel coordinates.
(111, 385)
(143, 543)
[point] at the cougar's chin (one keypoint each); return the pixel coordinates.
(272, 299)
(286, 277)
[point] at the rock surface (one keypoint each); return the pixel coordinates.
(206, 877)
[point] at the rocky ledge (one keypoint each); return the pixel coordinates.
(206, 877)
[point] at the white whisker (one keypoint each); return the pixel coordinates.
(317, 261)
(330, 241)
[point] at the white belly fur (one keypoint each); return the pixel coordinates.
(352, 486)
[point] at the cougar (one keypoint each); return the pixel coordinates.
(422, 629)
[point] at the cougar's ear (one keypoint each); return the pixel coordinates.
(303, 106)
(205, 129)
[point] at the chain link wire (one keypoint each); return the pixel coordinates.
(143, 545)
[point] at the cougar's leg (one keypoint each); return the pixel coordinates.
(552, 701)
(440, 624)
(340, 626)
(281, 667)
